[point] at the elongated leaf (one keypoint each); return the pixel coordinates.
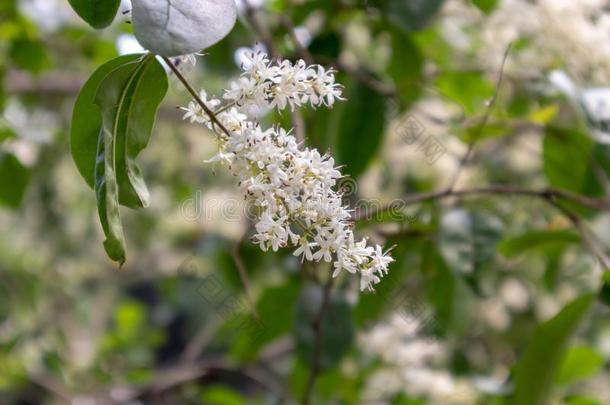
(97, 13)
(512, 247)
(406, 65)
(540, 363)
(360, 128)
(87, 119)
(14, 179)
(138, 87)
(112, 122)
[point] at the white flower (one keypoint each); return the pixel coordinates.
(368, 279)
(268, 85)
(291, 186)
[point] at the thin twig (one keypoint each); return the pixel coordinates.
(588, 237)
(545, 193)
(316, 325)
(490, 106)
(198, 99)
(197, 345)
(243, 274)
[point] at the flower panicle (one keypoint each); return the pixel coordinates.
(292, 187)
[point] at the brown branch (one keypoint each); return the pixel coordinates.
(171, 377)
(316, 326)
(546, 194)
(588, 237)
(243, 274)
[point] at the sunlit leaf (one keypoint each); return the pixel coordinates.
(486, 6)
(220, 395)
(471, 90)
(579, 362)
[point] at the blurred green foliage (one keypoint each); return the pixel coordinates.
(73, 326)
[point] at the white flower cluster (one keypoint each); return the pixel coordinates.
(574, 33)
(411, 365)
(269, 85)
(291, 186)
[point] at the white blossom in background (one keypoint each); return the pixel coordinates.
(572, 32)
(411, 365)
(291, 186)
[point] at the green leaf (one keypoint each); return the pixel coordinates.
(406, 65)
(29, 54)
(6, 132)
(486, 6)
(134, 89)
(97, 13)
(337, 327)
(448, 294)
(107, 193)
(360, 128)
(540, 363)
(87, 119)
(514, 246)
(221, 395)
(128, 98)
(412, 15)
(579, 362)
(471, 90)
(565, 145)
(580, 400)
(14, 178)
(276, 320)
